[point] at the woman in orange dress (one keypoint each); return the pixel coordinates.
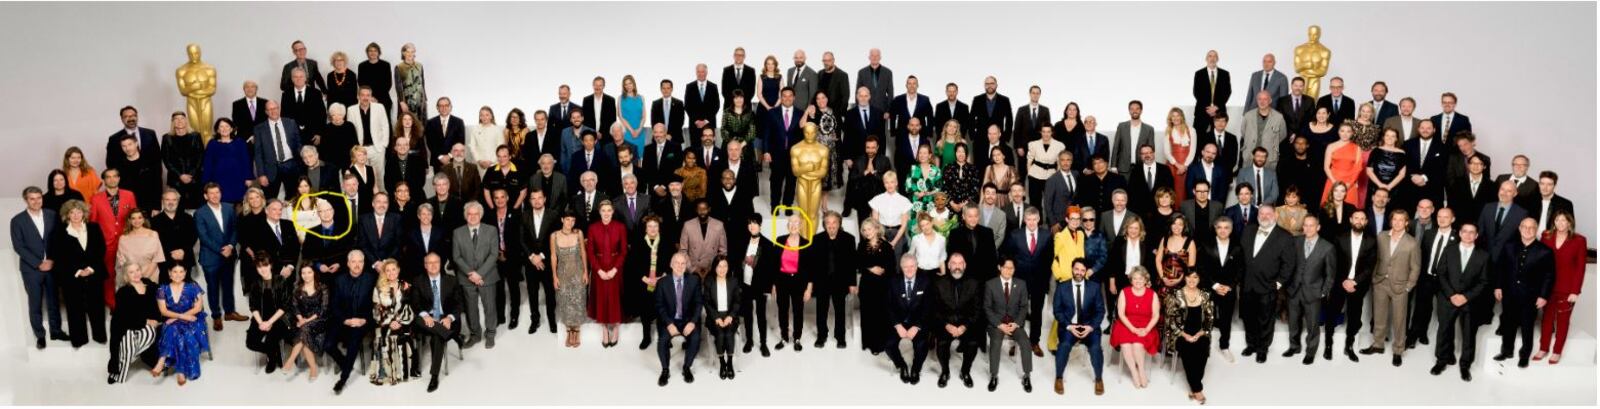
(1346, 162)
(80, 176)
(1177, 152)
(607, 249)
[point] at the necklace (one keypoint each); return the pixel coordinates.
(339, 77)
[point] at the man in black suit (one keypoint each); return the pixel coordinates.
(669, 112)
(955, 317)
(541, 140)
(1436, 242)
(1100, 184)
(912, 105)
(1206, 168)
(1092, 145)
(1199, 211)
(586, 201)
(678, 304)
(976, 241)
(866, 178)
(1449, 123)
(349, 317)
(1527, 185)
(781, 132)
(1211, 91)
(705, 148)
(378, 233)
(561, 111)
(304, 64)
(592, 159)
(1267, 266)
(354, 203)
(508, 290)
(1221, 266)
(304, 104)
(702, 102)
(951, 108)
(599, 107)
(539, 221)
(438, 304)
(327, 255)
(1544, 206)
(832, 255)
(1498, 224)
(443, 132)
(908, 310)
(275, 238)
(835, 83)
(422, 236)
(861, 121)
(1523, 286)
(1358, 258)
(447, 208)
(1147, 175)
(661, 158)
(248, 112)
(1383, 108)
(149, 143)
(745, 170)
(1030, 117)
(1342, 107)
(1463, 275)
(991, 108)
(1426, 163)
(906, 145)
(1296, 108)
(1031, 246)
(739, 77)
(1227, 143)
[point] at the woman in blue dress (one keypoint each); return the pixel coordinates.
(227, 162)
(183, 337)
(631, 107)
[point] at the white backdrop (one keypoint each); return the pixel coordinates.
(1525, 72)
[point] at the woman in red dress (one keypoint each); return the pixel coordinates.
(1178, 151)
(1570, 248)
(1346, 162)
(1135, 334)
(607, 248)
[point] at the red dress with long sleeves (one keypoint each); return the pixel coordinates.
(607, 249)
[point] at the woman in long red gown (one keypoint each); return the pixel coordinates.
(1346, 162)
(607, 248)
(1178, 151)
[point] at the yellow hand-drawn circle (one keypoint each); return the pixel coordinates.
(810, 227)
(294, 212)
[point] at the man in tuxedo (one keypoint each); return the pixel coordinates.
(149, 143)
(866, 178)
(378, 233)
(447, 207)
(305, 105)
(1060, 190)
(1308, 287)
(678, 303)
(1207, 169)
(349, 317)
(438, 304)
(669, 112)
(561, 111)
(803, 80)
(951, 108)
(1271, 255)
(1079, 308)
(732, 199)
(30, 235)
(1527, 187)
(277, 154)
(1257, 175)
(781, 132)
(739, 76)
(248, 112)
(862, 121)
(1268, 79)
(1399, 260)
(1426, 162)
(661, 158)
(1099, 184)
(879, 79)
(1342, 107)
(1297, 109)
(835, 83)
(908, 311)
(586, 201)
(992, 108)
(1030, 117)
(1463, 273)
(1544, 207)
(1435, 244)
(702, 102)
(1199, 210)
(1146, 176)
(705, 148)
(1449, 123)
(1211, 91)
(474, 251)
(542, 140)
(955, 318)
(1404, 122)
(912, 105)
(1221, 265)
(1523, 286)
(599, 107)
(1031, 246)
(539, 222)
(1005, 305)
(1264, 128)
(1127, 143)
(1498, 224)
(1093, 145)
(1383, 108)
(443, 132)
(300, 62)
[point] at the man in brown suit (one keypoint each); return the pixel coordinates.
(703, 237)
(464, 178)
(1399, 260)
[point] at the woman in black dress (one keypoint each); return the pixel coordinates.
(961, 178)
(310, 302)
(746, 248)
(1386, 169)
(59, 192)
(649, 258)
(342, 82)
(338, 136)
(1188, 320)
(181, 153)
(269, 324)
(876, 257)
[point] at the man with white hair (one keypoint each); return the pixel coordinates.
(304, 104)
(475, 250)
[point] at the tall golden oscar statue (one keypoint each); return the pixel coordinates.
(1311, 61)
(197, 82)
(809, 159)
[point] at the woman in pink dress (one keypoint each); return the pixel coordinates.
(607, 248)
(1138, 307)
(1178, 151)
(1346, 162)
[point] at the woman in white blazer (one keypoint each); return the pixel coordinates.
(378, 119)
(483, 139)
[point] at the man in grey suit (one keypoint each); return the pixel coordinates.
(803, 79)
(990, 213)
(1308, 286)
(474, 254)
(1404, 123)
(1060, 191)
(1263, 179)
(1269, 79)
(1399, 260)
(277, 152)
(880, 81)
(1263, 128)
(1131, 134)
(1005, 304)
(30, 234)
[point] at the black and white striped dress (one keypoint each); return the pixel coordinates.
(134, 342)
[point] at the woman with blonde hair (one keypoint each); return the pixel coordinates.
(1177, 150)
(342, 82)
(483, 138)
(392, 346)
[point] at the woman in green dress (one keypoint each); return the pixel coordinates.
(739, 123)
(409, 82)
(923, 180)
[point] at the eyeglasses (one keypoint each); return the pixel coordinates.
(1202, 191)
(1088, 220)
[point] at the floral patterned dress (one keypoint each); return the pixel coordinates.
(315, 304)
(392, 349)
(183, 341)
(828, 135)
(923, 180)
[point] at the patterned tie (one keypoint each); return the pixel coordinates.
(677, 289)
(438, 307)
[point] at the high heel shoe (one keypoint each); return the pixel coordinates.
(1555, 359)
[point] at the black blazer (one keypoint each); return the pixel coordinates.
(538, 242)
(978, 246)
(699, 108)
(607, 112)
(532, 149)
(735, 210)
(416, 251)
(585, 211)
(856, 132)
(657, 168)
(1082, 157)
(244, 124)
(1027, 129)
(69, 257)
(1142, 193)
(1228, 153)
(749, 174)
(1429, 240)
(673, 120)
(1033, 268)
(956, 302)
(1219, 268)
(1203, 94)
(907, 306)
(310, 115)
(1434, 166)
(733, 298)
(746, 82)
(438, 140)
(558, 121)
(313, 76)
(1002, 115)
(766, 254)
(415, 175)
(450, 295)
(1117, 264)
(1532, 275)
(319, 251)
(947, 110)
(901, 111)
(1265, 270)
(1469, 281)
(667, 302)
(265, 244)
(1458, 125)
(1347, 108)
(815, 260)
(379, 247)
(1466, 204)
(1366, 259)
(1498, 235)
(1295, 119)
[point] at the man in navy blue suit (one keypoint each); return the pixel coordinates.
(1079, 309)
(1207, 169)
(1031, 247)
(30, 232)
(908, 313)
(678, 303)
(589, 158)
(863, 121)
(781, 132)
(1450, 123)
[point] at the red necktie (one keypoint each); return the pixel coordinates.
(1033, 244)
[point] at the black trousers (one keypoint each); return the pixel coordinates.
(510, 284)
(791, 306)
(968, 348)
(1451, 317)
(344, 346)
(781, 182)
(1035, 190)
(1224, 319)
(754, 313)
(438, 338)
(723, 339)
(1194, 356)
(540, 279)
(1258, 310)
(1422, 300)
(919, 351)
(834, 298)
(1348, 303)
(691, 344)
(86, 310)
(267, 343)
(1519, 317)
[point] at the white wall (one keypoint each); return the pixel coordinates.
(68, 67)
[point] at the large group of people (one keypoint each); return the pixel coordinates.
(353, 218)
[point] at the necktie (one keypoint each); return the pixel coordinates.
(863, 117)
(1447, 124)
(252, 103)
(677, 289)
(1077, 300)
(1310, 244)
(990, 106)
(276, 232)
(1438, 251)
(474, 234)
(283, 145)
(786, 118)
(1008, 292)
(1336, 104)
(1246, 211)
(1296, 104)
(1033, 242)
(631, 209)
(564, 111)
(1499, 216)
(1150, 176)
(907, 294)
(702, 91)
(299, 96)
(738, 75)
(1033, 114)
(1071, 187)
(1257, 200)
(438, 307)
(1265, 76)
(1089, 140)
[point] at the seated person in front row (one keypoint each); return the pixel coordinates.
(1005, 301)
(678, 306)
(907, 311)
(350, 315)
(1079, 307)
(135, 324)
(183, 337)
(438, 305)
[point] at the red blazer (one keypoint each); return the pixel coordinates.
(608, 245)
(110, 220)
(1570, 259)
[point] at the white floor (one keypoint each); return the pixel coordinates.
(536, 370)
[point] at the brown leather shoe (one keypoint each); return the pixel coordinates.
(1061, 387)
(216, 324)
(234, 316)
(1099, 388)
(1037, 351)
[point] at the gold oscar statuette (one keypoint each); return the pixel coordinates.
(809, 159)
(1311, 61)
(197, 82)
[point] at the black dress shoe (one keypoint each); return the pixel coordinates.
(1327, 354)
(993, 383)
(1411, 344)
(472, 341)
(1351, 354)
(764, 351)
(1423, 340)
(513, 324)
(552, 328)
(665, 376)
(821, 342)
(59, 337)
(1438, 368)
(905, 375)
(271, 368)
(780, 345)
(1372, 350)
(338, 387)
(1027, 385)
(748, 346)
(839, 344)
(944, 379)
(1522, 362)
(38, 343)
(1466, 374)
(966, 379)
(688, 376)
(1395, 361)
(1261, 358)
(916, 378)
(1309, 359)
(798, 346)
(1291, 352)
(1247, 352)
(433, 384)
(1503, 356)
